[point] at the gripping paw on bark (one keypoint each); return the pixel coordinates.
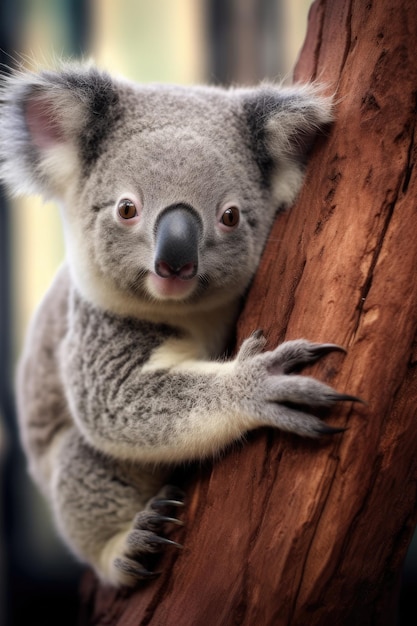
(275, 395)
(146, 539)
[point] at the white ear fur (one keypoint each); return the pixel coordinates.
(47, 121)
(290, 135)
(37, 147)
(286, 121)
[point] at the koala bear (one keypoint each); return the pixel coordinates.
(167, 196)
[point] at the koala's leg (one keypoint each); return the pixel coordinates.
(112, 514)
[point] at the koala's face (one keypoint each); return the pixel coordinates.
(171, 215)
(168, 193)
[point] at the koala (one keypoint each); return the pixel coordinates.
(167, 196)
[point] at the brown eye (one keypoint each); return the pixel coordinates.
(127, 209)
(230, 216)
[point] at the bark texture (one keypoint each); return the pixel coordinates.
(285, 531)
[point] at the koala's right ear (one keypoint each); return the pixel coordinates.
(52, 127)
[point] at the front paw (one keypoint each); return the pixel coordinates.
(275, 396)
(146, 538)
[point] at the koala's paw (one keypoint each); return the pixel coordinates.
(146, 539)
(275, 395)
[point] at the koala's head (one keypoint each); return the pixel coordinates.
(167, 193)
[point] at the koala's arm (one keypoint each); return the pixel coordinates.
(158, 403)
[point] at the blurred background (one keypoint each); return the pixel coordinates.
(177, 41)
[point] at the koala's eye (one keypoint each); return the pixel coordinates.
(230, 216)
(127, 209)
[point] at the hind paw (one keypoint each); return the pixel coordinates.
(134, 553)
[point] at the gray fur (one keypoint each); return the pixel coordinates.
(120, 378)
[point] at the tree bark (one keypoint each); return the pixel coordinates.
(281, 530)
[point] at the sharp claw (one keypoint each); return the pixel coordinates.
(144, 573)
(165, 502)
(325, 348)
(345, 397)
(325, 429)
(170, 520)
(163, 540)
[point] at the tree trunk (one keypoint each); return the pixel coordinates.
(282, 530)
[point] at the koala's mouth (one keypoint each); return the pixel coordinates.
(171, 287)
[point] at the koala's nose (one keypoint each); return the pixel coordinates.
(178, 232)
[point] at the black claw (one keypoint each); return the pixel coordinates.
(345, 397)
(326, 348)
(161, 540)
(161, 502)
(325, 429)
(314, 353)
(170, 520)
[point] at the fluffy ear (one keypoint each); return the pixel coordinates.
(283, 123)
(52, 127)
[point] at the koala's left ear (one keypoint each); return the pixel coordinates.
(283, 123)
(52, 126)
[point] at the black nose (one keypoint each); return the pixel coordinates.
(178, 233)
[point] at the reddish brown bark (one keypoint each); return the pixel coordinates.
(286, 531)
